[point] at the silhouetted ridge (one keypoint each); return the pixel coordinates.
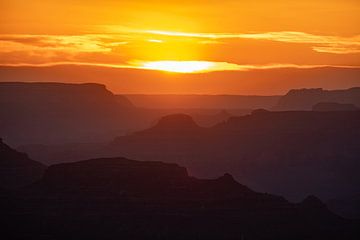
(312, 201)
(124, 102)
(198, 101)
(304, 99)
(125, 199)
(227, 185)
(290, 153)
(16, 168)
(148, 178)
(181, 121)
(227, 178)
(333, 106)
(174, 123)
(113, 173)
(60, 112)
(293, 121)
(259, 111)
(318, 208)
(53, 91)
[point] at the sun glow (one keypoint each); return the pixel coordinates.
(179, 66)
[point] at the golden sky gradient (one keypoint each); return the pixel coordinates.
(184, 37)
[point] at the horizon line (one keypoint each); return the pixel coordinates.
(233, 67)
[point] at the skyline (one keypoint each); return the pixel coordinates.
(191, 37)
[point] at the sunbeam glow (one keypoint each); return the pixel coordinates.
(179, 66)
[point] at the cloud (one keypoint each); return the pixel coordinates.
(337, 49)
(117, 48)
(320, 43)
(60, 63)
(58, 43)
(204, 66)
(27, 48)
(155, 40)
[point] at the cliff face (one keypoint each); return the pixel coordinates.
(304, 99)
(47, 94)
(16, 169)
(58, 112)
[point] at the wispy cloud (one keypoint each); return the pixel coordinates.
(117, 48)
(63, 43)
(155, 40)
(177, 66)
(336, 49)
(27, 48)
(63, 63)
(320, 43)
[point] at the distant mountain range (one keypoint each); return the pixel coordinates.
(58, 113)
(176, 101)
(305, 99)
(203, 107)
(118, 198)
(290, 153)
(333, 106)
(287, 153)
(294, 100)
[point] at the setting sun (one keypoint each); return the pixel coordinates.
(180, 119)
(179, 66)
(263, 47)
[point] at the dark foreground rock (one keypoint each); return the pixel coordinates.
(126, 199)
(17, 169)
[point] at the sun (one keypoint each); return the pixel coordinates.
(179, 66)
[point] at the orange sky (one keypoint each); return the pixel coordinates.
(181, 36)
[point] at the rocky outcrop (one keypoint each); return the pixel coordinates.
(60, 113)
(172, 124)
(17, 169)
